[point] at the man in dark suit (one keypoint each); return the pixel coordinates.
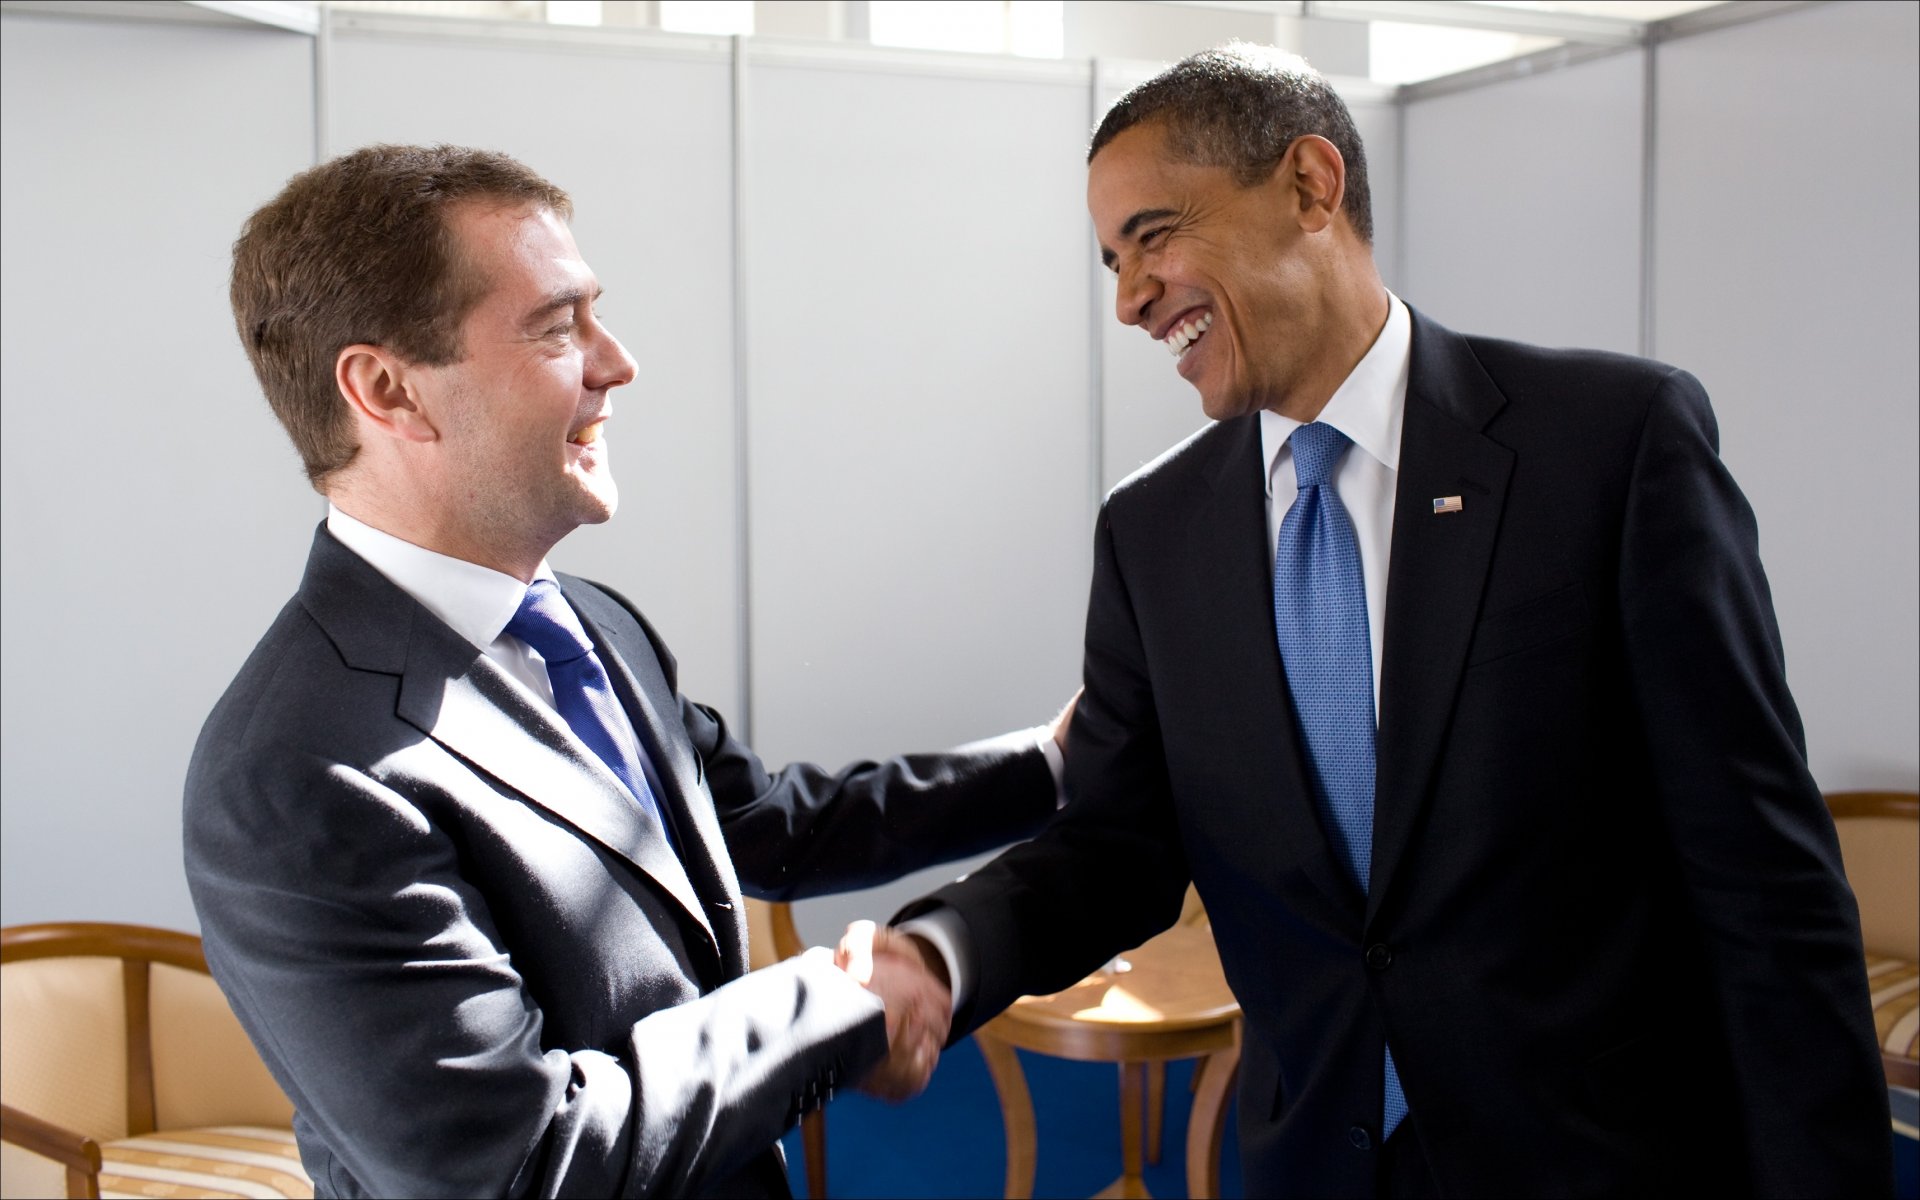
(464, 857)
(1445, 668)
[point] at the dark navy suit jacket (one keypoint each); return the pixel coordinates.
(475, 968)
(1608, 937)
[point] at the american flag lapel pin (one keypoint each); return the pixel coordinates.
(1445, 504)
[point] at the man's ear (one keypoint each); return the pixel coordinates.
(1317, 177)
(379, 386)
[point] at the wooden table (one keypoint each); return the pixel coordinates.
(1166, 1000)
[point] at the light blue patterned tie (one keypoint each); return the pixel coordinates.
(581, 691)
(1320, 617)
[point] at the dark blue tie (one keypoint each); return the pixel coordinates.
(581, 690)
(1320, 617)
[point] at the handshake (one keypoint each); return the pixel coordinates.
(910, 979)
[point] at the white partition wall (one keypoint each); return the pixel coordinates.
(1779, 269)
(1787, 184)
(881, 384)
(918, 402)
(154, 516)
(640, 136)
(1521, 206)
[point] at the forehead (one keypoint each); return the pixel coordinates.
(1136, 171)
(516, 249)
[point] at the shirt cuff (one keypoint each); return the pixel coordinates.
(1056, 763)
(947, 934)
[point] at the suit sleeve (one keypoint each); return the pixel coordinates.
(806, 831)
(1756, 846)
(1109, 872)
(384, 993)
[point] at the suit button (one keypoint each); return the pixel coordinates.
(1379, 957)
(1361, 1139)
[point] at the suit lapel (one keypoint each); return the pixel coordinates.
(455, 695)
(485, 718)
(635, 670)
(1233, 537)
(1435, 576)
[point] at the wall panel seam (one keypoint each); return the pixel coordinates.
(742, 455)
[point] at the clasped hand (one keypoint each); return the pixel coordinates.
(919, 1007)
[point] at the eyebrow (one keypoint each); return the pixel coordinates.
(1134, 222)
(565, 299)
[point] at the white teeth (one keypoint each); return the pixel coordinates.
(1180, 337)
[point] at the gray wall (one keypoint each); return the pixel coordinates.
(1786, 187)
(902, 565)
(1782, 273)
(933, 380)
(153, 519)
(1522, 209)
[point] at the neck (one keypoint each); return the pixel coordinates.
(1355, 310)
(426, 525)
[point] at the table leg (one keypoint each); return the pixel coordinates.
(1016, 1106)
(813, 1136)
(1156, 1107)
(1207, 1123)
(1132, 1184)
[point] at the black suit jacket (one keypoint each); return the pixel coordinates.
(472, 964)
(1608, 937)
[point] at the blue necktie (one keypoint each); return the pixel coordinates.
(581, 690)
(1320, 617)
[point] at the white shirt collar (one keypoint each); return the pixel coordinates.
(1370, 403)
(475, 601)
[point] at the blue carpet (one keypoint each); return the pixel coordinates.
(951, 1140)
(1906, 1151)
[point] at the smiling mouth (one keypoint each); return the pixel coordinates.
(1181, 338)
(589, 434)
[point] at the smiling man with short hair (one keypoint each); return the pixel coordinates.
(464, 857)
(1445, 668)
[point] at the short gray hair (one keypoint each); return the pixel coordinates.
(1239, 106)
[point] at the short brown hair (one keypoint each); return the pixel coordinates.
(1239, 106)
(360, 249)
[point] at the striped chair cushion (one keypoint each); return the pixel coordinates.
(1895, 983)
(228, 1160)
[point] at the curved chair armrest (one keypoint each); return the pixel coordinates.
(77, 1152)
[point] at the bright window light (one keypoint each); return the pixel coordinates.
(1625, 10)
(707, 16)
(1399, 53)
(1037, 28)
(573, 12)
(979, 25)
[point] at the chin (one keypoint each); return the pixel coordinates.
(599, 498)
(1219, 407)
(601, 507)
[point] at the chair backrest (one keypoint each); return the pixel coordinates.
(116, 1030)
(1880, 843)
(771, 934)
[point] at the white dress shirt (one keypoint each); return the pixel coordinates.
(476, 602)
(1369, 407)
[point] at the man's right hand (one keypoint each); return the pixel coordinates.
(919, 1006)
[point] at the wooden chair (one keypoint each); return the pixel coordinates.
(125, 1066)
(1165, 1001)
(1880, 844)
(771, 937)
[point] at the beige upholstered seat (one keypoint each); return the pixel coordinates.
(1880, 842)
(123, 1072)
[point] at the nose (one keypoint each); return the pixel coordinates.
(609, 365)
(1134, 294)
